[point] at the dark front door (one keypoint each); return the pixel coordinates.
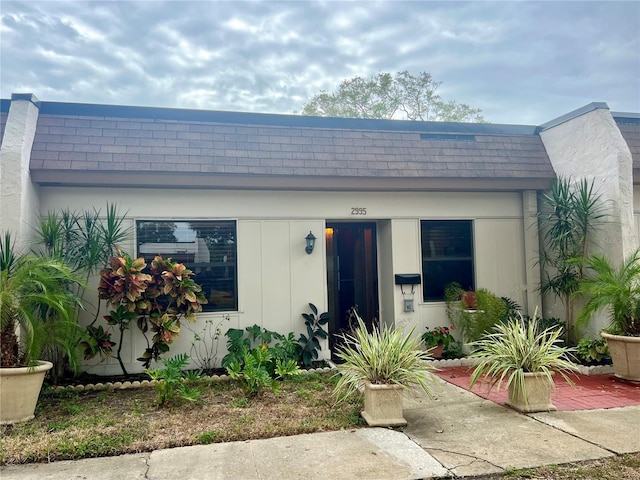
(352, 272)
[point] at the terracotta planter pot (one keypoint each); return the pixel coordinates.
(383, 405)
(437, 351)
(625, 354)
(469, 300)
(19, 391)
(538, 397)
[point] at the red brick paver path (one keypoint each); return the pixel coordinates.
(589, 392)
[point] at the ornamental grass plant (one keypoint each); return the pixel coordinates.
(518, 347)
(386, 356)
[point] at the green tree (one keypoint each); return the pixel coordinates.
(384, 96)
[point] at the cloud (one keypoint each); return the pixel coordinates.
(521, 62)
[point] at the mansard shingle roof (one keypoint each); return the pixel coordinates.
(629, 126)
(81, 141)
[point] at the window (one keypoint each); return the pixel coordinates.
(208, 248)
(447, 256)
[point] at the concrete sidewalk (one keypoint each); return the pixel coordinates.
(458, 434)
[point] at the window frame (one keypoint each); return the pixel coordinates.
(206, 308)
(471, 258)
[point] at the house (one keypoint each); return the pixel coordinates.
(398, 209)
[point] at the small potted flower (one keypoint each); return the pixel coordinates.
(437, 340)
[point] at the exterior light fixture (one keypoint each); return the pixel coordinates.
(311, 242)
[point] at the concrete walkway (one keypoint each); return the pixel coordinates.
(458, 434)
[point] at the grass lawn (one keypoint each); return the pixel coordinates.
(623, 467)
(71, 424)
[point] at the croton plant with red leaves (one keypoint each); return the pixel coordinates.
(159, 300)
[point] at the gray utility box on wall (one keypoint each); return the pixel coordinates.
(403, 279)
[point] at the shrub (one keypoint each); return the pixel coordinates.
(159, 300)
(256, 363)
(474, 323)
(172, 383)
(310, 343)
(592, 352)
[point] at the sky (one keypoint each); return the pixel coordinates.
(520, 62)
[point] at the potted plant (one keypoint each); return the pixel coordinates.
(383, 363)
(618, 290)
(474, 313)
(437, 340)
(35, 299)
(524, 357)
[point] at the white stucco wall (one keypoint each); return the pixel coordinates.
(590, 146)
(277, 279)
(18, 196)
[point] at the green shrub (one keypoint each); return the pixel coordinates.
(474, 323)
(173, 383)
(310, 343)
(590, 352)
(257, 357)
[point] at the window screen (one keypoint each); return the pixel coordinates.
(447, 256)
(208, 248)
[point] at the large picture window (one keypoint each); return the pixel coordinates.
(447, 256)
(208, 248)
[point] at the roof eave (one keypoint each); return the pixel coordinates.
(80, 178)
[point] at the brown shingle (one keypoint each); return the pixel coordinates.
(139, 144)
(631, 134)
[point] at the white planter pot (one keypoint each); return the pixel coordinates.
(383, 405)
(538, 396)
(625, 354)
(19, 391)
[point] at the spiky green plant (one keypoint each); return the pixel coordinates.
(518, 347)
(570, 213)
(616, 289)
(84, 240)
(385, 356)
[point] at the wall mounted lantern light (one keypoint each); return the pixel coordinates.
(311, 242)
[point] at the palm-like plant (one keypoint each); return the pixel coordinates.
(617, 289)
(34, 296)
(84, 240)
(518, 347)
(569, 215)
(385, 356)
